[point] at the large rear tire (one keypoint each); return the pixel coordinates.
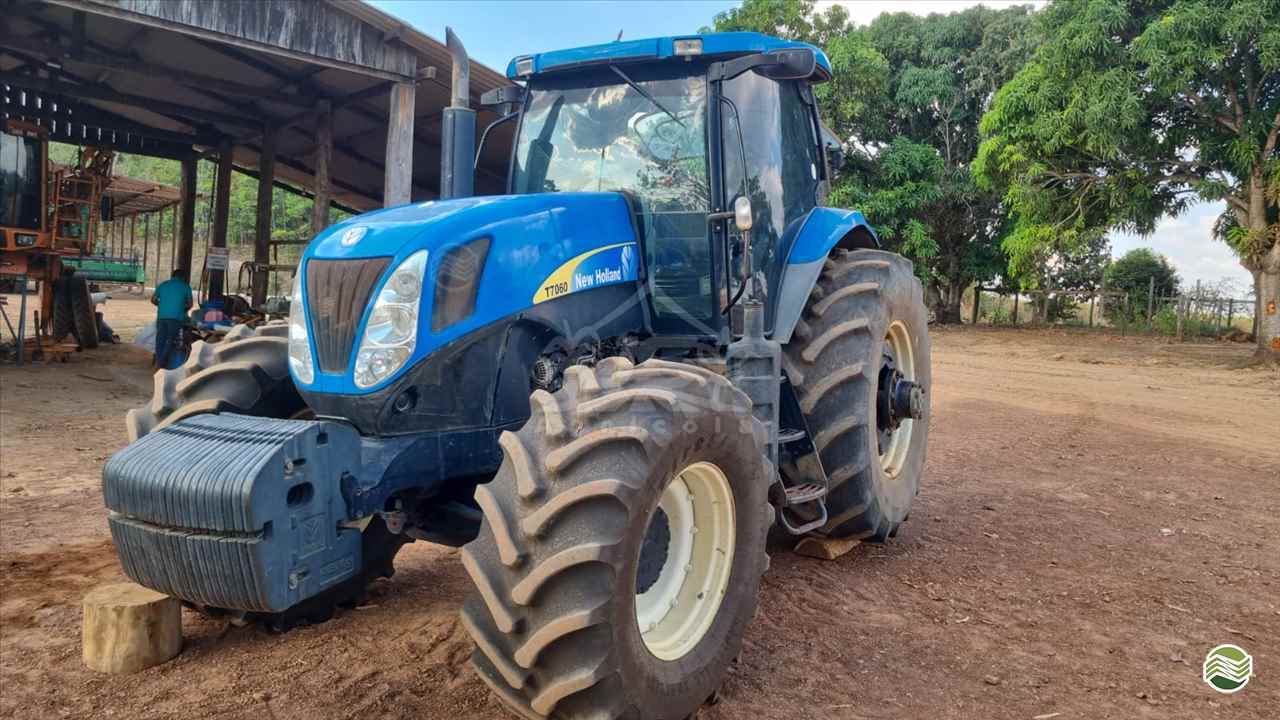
(866, 311)
(622, 545)
(73, 312)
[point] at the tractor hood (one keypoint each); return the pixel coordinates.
(530, 249)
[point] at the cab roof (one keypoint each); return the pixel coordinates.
(728, 44)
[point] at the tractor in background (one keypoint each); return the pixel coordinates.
(47, 223)
(609, 386)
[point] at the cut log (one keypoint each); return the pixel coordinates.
(128, 628)
(825, 548)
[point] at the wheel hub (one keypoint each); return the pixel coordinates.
(897, 398)
(900, 400)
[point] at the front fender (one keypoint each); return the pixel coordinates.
(824, 230)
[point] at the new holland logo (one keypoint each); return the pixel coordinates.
(353, 236)
(1227, 668)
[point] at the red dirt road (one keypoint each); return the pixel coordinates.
(1097, 513)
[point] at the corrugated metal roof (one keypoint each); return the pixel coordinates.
(108, 79)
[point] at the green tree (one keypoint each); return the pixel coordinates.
(1131, 110)
(1067, 278)
(907, 96)
(1132, 275)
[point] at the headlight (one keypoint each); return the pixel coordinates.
(392, 330)
(299, 346)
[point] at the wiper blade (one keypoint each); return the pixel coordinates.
(645, 93)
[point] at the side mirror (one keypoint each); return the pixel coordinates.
(834, 151)
(790, 64)
(742, 215)
(503, 100)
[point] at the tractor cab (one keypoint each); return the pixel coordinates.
(683, 128)
(23, 160)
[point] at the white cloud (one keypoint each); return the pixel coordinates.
(864, 11)
(1188, 242)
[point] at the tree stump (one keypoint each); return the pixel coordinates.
(128, 628)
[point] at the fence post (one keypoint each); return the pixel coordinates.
(1231, 312)
(1181, 312)
(1016, 295)
(977, 300)
(1151, 299)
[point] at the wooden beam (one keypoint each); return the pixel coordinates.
(350, 99)
(397, 181)
(186, 233)
(221, 215)
(328, 36)
(52, 51)
(323, 158)
(262, 222)
(106, 94)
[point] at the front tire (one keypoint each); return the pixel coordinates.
(588, 509)
(246, 373)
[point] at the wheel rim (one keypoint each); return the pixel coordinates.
(894, 453)
(681, 599)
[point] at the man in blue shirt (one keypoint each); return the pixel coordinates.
(172, 299)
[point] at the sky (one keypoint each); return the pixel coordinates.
(494, 31)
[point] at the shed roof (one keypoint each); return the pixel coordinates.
(166, 77)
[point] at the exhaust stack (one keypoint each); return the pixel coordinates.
(457, 174)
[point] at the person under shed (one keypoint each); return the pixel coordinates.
(172, 299)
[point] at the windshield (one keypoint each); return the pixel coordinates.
(640, 131)
(20, 181)
(595, 132)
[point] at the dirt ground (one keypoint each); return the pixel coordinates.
(1097, 513)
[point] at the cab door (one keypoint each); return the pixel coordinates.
(777, 166)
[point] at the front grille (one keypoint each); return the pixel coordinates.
(338, 292)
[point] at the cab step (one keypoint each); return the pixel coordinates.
(789, 435)
(805, 493)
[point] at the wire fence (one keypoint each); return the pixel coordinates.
(1199, 313)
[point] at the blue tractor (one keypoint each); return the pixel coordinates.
(612, 386)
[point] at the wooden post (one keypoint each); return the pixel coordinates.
(1182, 311)
(1102, 297)
(173, 239)
(186, 234)
(1231, 312)
(128, 628)
(1151, 298)
(397, 185)
(146, 249)
(262, 221)
(1016, 296)
(324, 153)
(133, 228)
(221, 215)
(977, 302)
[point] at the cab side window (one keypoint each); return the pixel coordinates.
(782, 170)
